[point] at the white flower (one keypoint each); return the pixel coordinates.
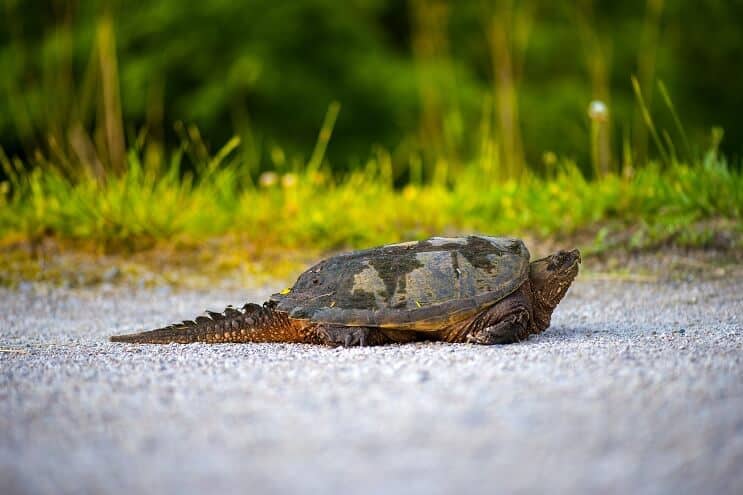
(598, 111)
(268, 179)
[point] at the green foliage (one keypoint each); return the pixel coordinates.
(297, 209)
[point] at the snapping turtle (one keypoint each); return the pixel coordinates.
(476, 289)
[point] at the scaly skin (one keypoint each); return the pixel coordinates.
(527, 311)
(251, 323)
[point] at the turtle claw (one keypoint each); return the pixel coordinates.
(345, 336)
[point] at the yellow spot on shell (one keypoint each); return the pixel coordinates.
(332, 304)
(285, 291)
(418, 304)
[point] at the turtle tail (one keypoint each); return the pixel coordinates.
(251, 323)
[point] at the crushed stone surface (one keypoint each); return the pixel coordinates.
(636, 388)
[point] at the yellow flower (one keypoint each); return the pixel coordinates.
(409, 192)
(549, 158)
(289, 180)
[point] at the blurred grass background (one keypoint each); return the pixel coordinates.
(343, 124)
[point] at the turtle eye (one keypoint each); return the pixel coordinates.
(559, 260)
(554, 262)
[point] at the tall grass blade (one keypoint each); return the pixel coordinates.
(323, 137)
(648, 119)
(223, 152)
(677, 121)
(111, 104)
(10, 170)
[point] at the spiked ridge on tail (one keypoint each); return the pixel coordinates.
(251, 323)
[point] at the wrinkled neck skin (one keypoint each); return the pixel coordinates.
(550, 279)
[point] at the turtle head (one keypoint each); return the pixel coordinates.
(550, 279)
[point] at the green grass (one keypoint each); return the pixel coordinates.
(151, 199)
(146, 206)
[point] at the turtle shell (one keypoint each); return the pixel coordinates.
(420, 285)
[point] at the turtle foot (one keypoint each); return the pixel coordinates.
(348, 336)
(509, 330)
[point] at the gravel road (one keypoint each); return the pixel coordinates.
(637, 388)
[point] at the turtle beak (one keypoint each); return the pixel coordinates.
(576, 261)
(572, 260)
(575, 254)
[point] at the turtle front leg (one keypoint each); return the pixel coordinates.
(507, 321)
(339, 335)
(512, 328)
